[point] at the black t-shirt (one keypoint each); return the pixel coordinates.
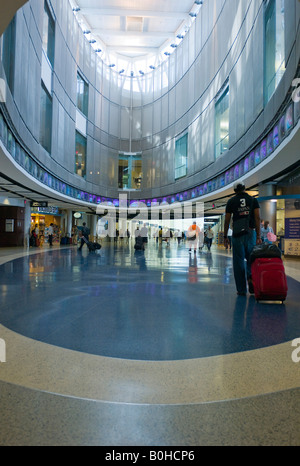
(242, 206)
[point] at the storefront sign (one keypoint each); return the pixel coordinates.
(38, 204)
(45, 210)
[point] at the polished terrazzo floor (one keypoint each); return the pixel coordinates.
(155, 348)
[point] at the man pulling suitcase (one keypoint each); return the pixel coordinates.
(245, 213)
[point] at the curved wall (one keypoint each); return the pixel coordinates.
(146, 114)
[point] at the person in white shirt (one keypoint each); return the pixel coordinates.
(209, 236)
(229, 236)
(50, 234)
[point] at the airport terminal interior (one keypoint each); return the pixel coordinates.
(127, 123)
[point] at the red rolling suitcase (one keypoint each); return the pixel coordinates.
(269, 279)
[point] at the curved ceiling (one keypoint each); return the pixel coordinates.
(7, 11)
(135, 28)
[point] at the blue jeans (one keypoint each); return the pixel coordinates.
(241, 250)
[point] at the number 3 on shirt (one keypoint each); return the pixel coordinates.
(243, 202)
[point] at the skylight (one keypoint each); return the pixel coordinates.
(133, 37)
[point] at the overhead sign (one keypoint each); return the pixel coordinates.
(39, 204)
(77, 214)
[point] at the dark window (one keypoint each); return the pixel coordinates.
(46, 119)
(8, 55)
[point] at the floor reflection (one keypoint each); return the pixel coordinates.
(159, 304)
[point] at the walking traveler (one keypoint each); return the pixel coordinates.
(192, 236)
(245, 213)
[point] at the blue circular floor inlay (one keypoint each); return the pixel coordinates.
(159, 305)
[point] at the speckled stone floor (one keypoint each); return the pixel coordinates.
(154, 348)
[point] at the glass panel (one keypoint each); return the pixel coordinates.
(274, 46)
(80, 155)
(130, 171)
(222, 123)
(181, 151)
(49, 35)
(45, 119)
(136, 172)
(82, 95)
(123, 173)
(8, 56)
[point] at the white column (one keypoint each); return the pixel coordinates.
(268, 208)
(94, 225)
(27, 222)
(69, 222)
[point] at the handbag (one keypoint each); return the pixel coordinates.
(192, 238)
(271, 237)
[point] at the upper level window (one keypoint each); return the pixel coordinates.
(222, 123)
(8, 53)
(46, 119)
(274, 56)
(80, 155)
(181, 152)
(48, 34)
(82, 95)
(130, 171)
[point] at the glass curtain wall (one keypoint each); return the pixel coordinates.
(181, 153)
(48, 34)
(8, 53)
(274, 55)
(130, 171)
(80, 155)
(222, 123)
(45, 119)
(82, 95)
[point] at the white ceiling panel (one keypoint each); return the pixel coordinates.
(134, 27)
